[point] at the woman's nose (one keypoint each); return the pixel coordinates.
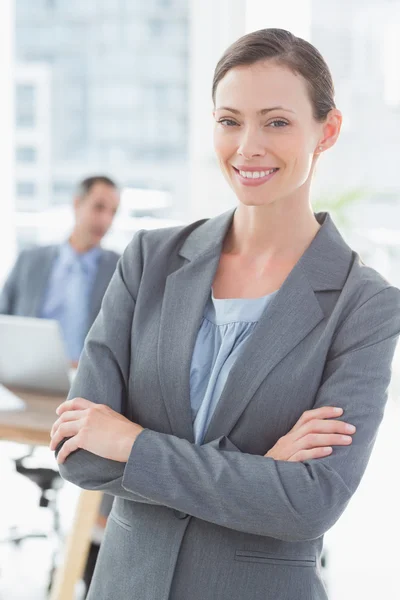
(251, 144)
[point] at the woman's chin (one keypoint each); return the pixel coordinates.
(254, 200)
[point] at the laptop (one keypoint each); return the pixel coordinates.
(32, 355)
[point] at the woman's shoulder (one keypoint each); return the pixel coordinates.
(364, 283)
(169, 236)
(187, 239)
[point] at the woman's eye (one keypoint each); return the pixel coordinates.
(227, 122)
(278, 123)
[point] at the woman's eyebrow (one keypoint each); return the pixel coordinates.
(260, 112)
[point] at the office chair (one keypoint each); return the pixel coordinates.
(49, 482)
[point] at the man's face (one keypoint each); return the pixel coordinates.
(94, 213)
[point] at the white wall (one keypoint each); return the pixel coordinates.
(294, 15)
(214, 25)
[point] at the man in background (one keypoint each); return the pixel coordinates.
(66, 282)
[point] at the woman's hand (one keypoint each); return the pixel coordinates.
(313, 436)
(95, 428)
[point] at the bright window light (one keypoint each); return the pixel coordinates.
(294, 15)
(133, 199)
(391, 71)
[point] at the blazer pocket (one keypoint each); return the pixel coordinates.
(120, 521)
(273, 559)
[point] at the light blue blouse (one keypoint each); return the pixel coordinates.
(226, 326)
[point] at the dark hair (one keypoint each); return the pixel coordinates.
(87, 184)
(286, 49)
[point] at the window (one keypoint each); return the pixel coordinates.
(26, 154)
(156, 27)
(25, 100)
(26, 188)
(63, 187)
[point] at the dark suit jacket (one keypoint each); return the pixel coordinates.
(24, 290)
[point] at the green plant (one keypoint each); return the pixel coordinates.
(338, 205)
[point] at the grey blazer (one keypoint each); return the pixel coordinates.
(220, 521)
(24, 290)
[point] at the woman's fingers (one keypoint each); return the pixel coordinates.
(69, 415)
(324, 426)
(65, 430)
(320, 440)
(70, 446)
(303, 455)
(313, 445)
(325, 412)
(316, 429)
(74, 404)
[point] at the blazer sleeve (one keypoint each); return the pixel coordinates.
(9, 291)
(103, 373)
(291, 501)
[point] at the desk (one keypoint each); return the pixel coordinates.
(32, 426)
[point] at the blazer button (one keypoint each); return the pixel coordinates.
(180, 515)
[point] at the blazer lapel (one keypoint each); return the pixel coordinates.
(105, 270)
(186, 293)
(291, 315)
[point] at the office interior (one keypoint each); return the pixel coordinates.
(122, 89)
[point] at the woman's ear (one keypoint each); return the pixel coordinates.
(331, 130)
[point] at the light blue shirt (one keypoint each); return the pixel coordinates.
(68, 293)
(226, 326)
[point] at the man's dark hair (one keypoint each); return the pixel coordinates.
(86, 185)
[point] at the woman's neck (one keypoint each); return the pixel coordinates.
(279, 231)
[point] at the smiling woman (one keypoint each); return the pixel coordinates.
(275, 113)
(206, 395)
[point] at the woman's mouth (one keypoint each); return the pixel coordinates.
(255, 177)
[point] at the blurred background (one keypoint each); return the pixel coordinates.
(123, 88)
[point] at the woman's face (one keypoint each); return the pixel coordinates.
(265, 137)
